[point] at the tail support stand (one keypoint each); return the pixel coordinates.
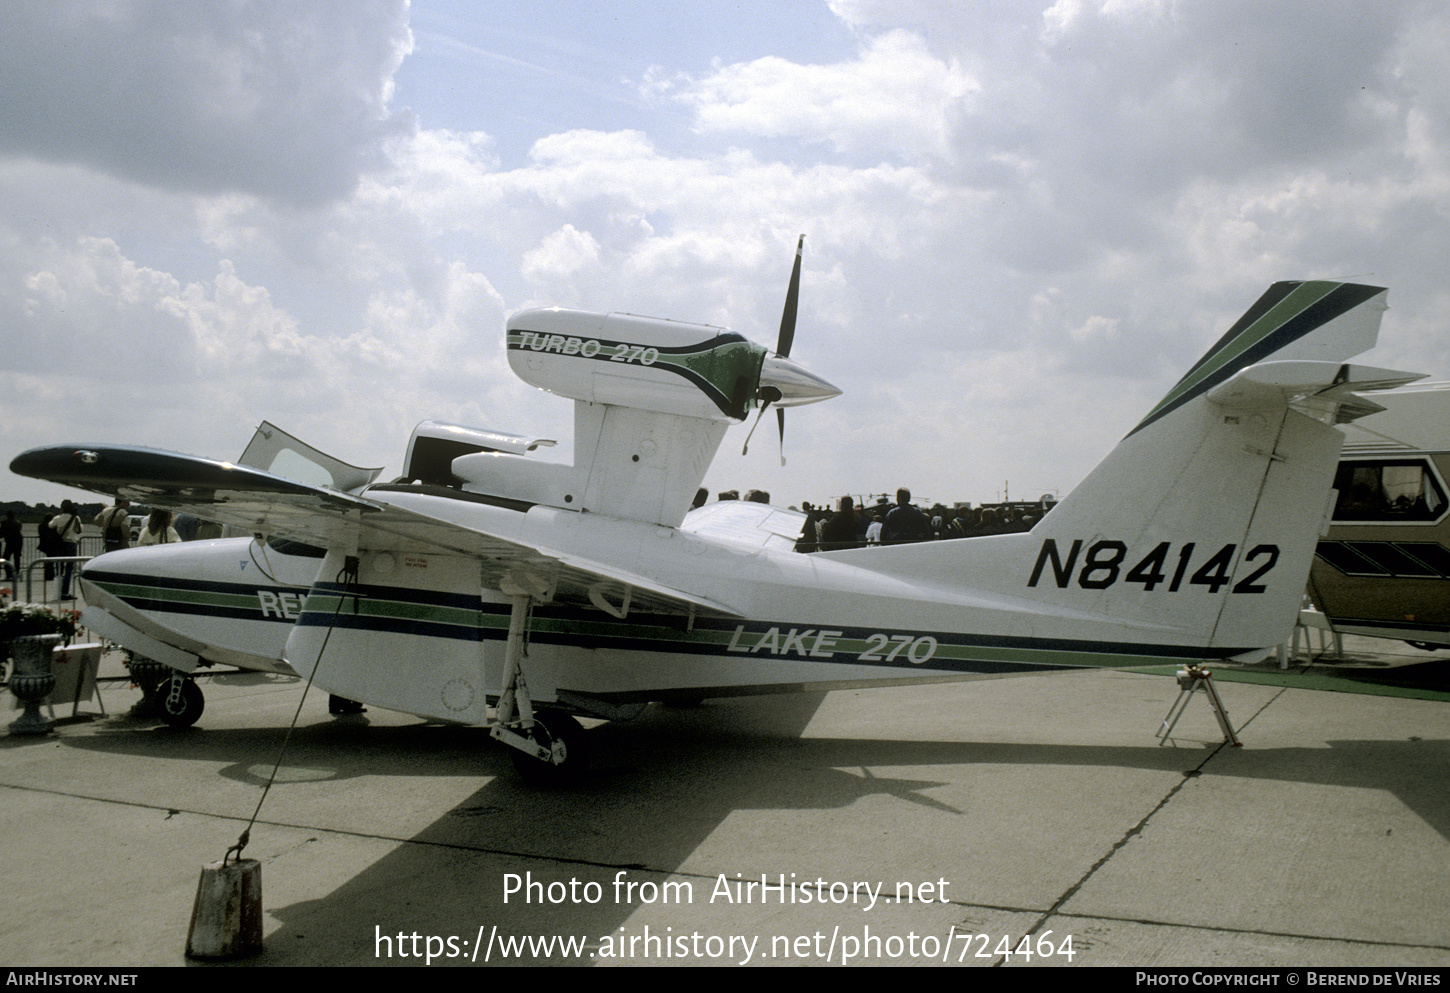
(1190, 680)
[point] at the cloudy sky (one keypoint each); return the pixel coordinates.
(1024, 220)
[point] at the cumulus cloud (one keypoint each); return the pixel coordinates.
(895, 100)
(563, 252)
(94, 312)
(281, 100)
(1023, 223)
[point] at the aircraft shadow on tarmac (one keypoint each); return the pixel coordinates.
(660, 786)
(686, 758)
(670, 747)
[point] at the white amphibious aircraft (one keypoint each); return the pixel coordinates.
(489, 587)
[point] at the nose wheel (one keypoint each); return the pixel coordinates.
(181, 701)
(166, 693)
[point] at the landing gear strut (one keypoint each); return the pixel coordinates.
(548, 745)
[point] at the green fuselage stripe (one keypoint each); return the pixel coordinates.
(727, 639)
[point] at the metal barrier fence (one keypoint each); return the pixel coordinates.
(87, 547)
(56, 562)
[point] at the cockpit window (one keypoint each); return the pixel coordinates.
(1389, 490)
(274, 450)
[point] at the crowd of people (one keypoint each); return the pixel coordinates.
(861, 526)
(852, 526)
(58, 537)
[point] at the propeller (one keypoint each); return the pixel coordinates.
(768, 395)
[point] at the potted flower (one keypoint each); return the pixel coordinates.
(33, 630)
(21, 620)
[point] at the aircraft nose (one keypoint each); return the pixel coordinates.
(797, 384)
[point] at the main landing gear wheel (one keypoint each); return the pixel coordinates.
(564, 737)
(181, 701)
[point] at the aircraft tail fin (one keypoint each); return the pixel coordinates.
(1197, 531)
(1317, 319)
(1200, 526)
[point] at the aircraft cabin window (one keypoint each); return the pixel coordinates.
(297, 548)
(1390, 490)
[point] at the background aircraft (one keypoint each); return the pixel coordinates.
(1383, 568)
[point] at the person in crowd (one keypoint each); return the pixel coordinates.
(839, 530)
(115, 525)
(14, 540)
(873, 528)
(963, 523)
(67, 526)
(158, 529)
(905, 523)
(809, 540)
(187, 525)
(863, 521)
(49, 544)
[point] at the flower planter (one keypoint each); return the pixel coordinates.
(32, 680)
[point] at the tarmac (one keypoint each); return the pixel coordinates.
(976, 824)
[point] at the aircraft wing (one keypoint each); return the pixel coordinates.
(266, 503)
(223, 492)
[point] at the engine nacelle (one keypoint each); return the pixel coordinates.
(693, 370)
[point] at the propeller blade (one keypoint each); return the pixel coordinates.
(787, 334)
(768, 395)
(780, 365)
(745, 449)
(792, 297)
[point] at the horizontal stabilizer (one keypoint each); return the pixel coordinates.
(1325, 390)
